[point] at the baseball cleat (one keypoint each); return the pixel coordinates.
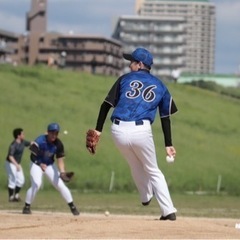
(74, 211)
(14, 200)
(11, 199)
(26, 210)
(146, 203)
(17, 199)
(171, 217)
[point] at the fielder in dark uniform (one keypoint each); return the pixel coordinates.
(13, 166)
(136, 97)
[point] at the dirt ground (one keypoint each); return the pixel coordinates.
(51, 225)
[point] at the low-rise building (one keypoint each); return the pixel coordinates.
(96, 54)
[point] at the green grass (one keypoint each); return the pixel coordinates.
(218, 206)
(205, 130)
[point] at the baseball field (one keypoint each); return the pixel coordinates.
(203, 181)
(44, 225)
(198, 217)
(205, 131)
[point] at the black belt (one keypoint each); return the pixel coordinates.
(39, 163)
(137, 123)
(35, 161)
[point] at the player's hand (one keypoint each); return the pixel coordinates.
(43, 167)
(18, 167)
(171, 151)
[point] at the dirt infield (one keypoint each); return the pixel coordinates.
(49, 225)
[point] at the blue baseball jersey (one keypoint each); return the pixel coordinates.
(44, 151)
(137, 96)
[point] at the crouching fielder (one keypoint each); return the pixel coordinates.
(44, 150)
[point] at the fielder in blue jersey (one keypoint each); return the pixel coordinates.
(44, 151)
(136, 97)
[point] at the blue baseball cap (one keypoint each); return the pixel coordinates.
(140, 55)
(53, 127)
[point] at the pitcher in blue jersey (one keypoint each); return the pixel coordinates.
(136, 97)
(44, 150)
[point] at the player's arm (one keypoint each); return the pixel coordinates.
(12, 160)
(27, 143)
(34, 148)
(11, 156)
(61, 164)
(35, 155)
(93, 135)
(110, 101)
(103, 112)
(166, 128)
(60, 156)
(166, 108)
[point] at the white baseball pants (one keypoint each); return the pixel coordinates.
(52, 174)
(135, 142)
(15, 178)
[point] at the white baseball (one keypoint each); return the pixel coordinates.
(106, 213)
(65, 132)
(169, 159)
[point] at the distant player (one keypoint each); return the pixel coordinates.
(13, 166)
(45, 150)
(136, 97)
(176, 74)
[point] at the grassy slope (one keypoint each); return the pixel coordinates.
(205, 130)
(213, 206)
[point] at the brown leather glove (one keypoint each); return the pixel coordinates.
(92, 139)
(66, 176)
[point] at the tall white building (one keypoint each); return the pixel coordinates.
(164, 37)
(200, 38)
(197, 20)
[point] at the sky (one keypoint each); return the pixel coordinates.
(98, 17)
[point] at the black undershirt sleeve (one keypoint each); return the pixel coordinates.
(104, 109)
(60, 148)
(34, 149)
(166, 127)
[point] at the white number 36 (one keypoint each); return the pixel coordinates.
(137, 89)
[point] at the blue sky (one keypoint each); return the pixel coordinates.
(98, 17)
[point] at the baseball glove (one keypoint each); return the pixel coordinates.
(92, 139)
(66, 176)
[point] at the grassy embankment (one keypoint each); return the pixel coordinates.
(205, 131)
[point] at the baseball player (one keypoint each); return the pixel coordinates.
(13, 166)
(135, 97)
(43, 152)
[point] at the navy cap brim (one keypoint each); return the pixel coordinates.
(128, 57)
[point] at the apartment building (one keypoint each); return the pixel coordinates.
(96, 54)
(8, 42)
(164, 37)
(180, 34)
(200, 28)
